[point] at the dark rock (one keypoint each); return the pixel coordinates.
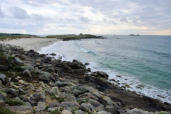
(37, 97)
(2, 99)
(53, 54)
(47, 59)
(89, 69)
(12, 92)
(27, 73)
(2, 77)
(4, 68)
(100, 74)
(76, 65)
(86, 64)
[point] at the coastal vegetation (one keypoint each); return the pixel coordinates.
(73, 36)
(15, 35)
(63, 37)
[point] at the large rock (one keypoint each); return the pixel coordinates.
(61, 83)
(2, 77)
(37, 97)
(87, 107)
(44, 76)
(18, 61)
(139, 111)
(79, 112)
(100, 74)
(78, 90)
(27, 73)
(54, 91)
(94, 102)
(41, 106)
(12, 92)
(76, 65)
(66, 112)
(69, 105)
(24, 109)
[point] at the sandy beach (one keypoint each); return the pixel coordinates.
(31, 43)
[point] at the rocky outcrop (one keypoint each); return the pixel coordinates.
(35, 83)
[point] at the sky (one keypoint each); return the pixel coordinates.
(44, 17)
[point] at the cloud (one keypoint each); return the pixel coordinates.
(18, 12)
(2, 14)
(86, 16)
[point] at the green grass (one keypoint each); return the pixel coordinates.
(6, 111)
(60, 99)
(15, 35)
(13, 102)
(84, 100)
(162, 113)
(72, 36)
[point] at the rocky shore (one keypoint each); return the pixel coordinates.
(36, 83)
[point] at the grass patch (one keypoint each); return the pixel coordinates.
(6, 111)
(72, 36)
(15, 35)
(13, 102)
(84, 100)
(46, 108)
(162, 113)
(60, 99)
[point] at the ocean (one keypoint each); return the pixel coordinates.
(142, 62)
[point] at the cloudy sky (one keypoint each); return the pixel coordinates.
(86, 16)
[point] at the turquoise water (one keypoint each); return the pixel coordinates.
(144, 60)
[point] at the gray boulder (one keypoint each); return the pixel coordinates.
(41, 106)
(87, 107)
(69, 105)
(44, 76)
(18, 61)
(78, 90)
(12, 92)
(66, 112)
(61, 83)
(2, 77)
(79, 112)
